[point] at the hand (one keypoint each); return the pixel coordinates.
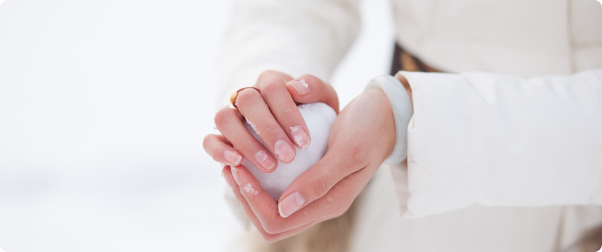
(273, 113)
(362, 136)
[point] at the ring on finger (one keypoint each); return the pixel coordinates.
(234, 95)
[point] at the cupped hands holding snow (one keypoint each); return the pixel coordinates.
(319, 119)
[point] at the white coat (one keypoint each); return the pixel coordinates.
(504, 150)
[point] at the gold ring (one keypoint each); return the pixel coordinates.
(234, 95)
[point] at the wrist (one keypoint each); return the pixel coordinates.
(401, 105)
(386, 126)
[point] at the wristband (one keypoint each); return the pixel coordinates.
(402, 113)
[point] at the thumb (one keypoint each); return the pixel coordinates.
(316, 181)
(308, 89)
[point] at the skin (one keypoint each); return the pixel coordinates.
(362, 136)
(273, 111)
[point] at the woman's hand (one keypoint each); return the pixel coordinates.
(274, 115)
(362, 136)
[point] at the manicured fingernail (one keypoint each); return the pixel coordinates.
(301, 87)
(290, 204)
(228, 179)
(264, 160)
(232, 157)
(284, 151)
(301, 137)
(235, 175)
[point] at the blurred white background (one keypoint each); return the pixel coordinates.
(103, 109)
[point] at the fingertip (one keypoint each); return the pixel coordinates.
(281, 212)
(285, 151)
(318, 91)
(300, 86)
(300, 136)
(233, 157)
(206, 142)
(290, 204)
(225, 168)
(266, 161)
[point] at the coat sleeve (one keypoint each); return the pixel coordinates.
(295, 37)
(500, 140)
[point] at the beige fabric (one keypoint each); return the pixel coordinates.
(523, 38)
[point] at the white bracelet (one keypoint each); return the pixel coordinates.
(402, 113)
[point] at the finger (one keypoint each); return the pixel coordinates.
(308, 89)
(332, 205)
(253, 218)
(316, 181)
(350, 149)
(221, 151)
(262, 204)
(230, 176)
(282, 106)
(252, 106)
(336, 202)
(228, 122)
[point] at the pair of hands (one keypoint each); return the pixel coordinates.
(362, 136)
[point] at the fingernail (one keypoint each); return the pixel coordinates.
(235, 175)
(264, 160)
(284, 151)
(228, 179)
(301, 137)
(290, 204)
(232, 157)
(301, 87)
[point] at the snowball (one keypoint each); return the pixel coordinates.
(319, 118)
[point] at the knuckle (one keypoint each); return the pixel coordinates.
(319, 187)
(271, 88)
(270, 129)
(267, 74)
(247, 97)
(222, 116)
(288, 115)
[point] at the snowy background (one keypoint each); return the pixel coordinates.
(103, 109)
